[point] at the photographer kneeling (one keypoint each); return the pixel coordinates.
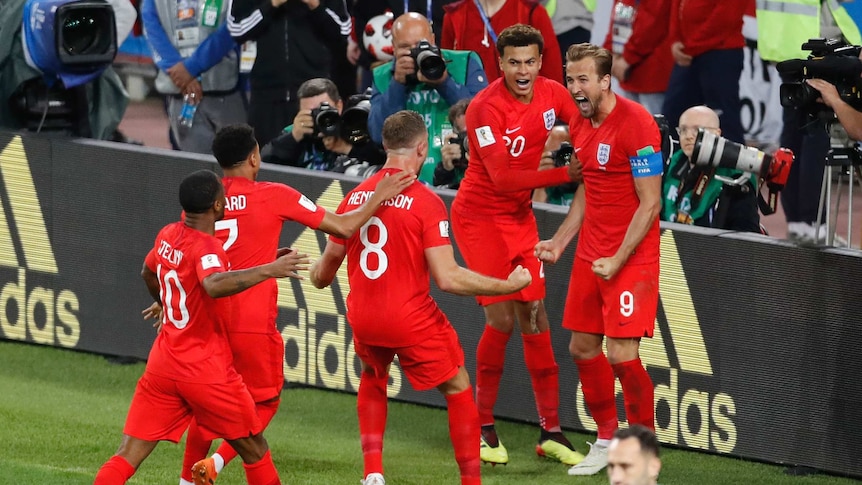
(316, 139)
(715, 204)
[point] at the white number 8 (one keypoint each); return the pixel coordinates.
(373, 248)
(627, 303)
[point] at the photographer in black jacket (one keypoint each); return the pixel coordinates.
(316, 139)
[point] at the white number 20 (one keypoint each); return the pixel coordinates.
(374, 248)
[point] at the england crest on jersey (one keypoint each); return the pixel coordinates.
(550, 117)
(603, 154)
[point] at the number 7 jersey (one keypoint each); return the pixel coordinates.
(389, 303)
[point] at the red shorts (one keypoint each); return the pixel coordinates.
(494, 249)
(624, 307)
(259, 359)
(428, 364)
(162, 408)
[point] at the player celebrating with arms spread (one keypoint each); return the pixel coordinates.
(613, 290)
(494, 225)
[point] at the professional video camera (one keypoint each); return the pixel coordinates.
(711, 150)
(429, 61)
(70, 43)
(830, 60)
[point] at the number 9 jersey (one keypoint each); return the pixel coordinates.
(389, 303)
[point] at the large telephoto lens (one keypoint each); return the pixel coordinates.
(711, 150)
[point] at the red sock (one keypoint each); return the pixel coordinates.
(197, 448)
(265, 411)
(371, 407)
(597, 383)
(262, 472)
(490, 356)
(464, 431)
(545, 374)
(117, 470)
(638, 393)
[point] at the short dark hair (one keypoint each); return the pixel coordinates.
(198, 191)
(520, 35)
(458, 109)
(317, 86)
(233, 144)
(645, 436)
(601, 56)
(403, 129)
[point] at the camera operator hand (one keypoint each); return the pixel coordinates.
(847, 115)
(405, 66)
(303, 125)
(450, 152)
(180, 75)
(337, 145)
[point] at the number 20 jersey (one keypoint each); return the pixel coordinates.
(389, 303)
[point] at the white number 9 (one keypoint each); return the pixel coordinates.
(627, 303)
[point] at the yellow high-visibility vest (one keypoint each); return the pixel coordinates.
(784, 25)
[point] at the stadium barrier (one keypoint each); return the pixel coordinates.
(754, 354)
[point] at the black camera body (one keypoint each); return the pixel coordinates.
(461, 140)
(830, 60)
(563, 155)
(327, 120)
(429, 61)
(354, 121)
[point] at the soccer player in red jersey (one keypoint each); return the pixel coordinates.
(494, 226)
(392, 255)
(613, 290)
(250, 232)
(189, 370)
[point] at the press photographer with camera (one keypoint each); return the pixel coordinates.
(319, 138)
(425, 79)
(454, 157)
(691, 194)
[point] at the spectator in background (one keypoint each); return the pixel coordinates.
(400, 85)
(638, 38)
(633, 457)
(706, 43)
(474, 25)
(303, 145)
(295, 41)
(717, 205)
(454, 156)
(364, 10)
(781, 33)
(196, 56)
(572, 21)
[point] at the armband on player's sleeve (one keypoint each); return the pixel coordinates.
(646, 164)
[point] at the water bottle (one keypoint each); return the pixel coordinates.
(187, 113)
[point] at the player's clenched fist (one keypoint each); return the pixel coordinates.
(520, 277)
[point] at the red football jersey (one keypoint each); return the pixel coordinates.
(250, 231)
(507, 138)
(389, 303)
(192, 345)
(611, 201)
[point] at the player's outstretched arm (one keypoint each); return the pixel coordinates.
(344, 225)
(455, 279)
(550, 250)
(323, 270)
(229, 283)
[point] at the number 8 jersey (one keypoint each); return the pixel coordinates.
(389, 303)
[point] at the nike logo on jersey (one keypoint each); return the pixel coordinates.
(509, 132)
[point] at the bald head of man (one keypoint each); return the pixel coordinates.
(693, 119)
(410, 28)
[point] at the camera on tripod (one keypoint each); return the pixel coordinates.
(711, 150)
(831, 60)
(429, 61)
